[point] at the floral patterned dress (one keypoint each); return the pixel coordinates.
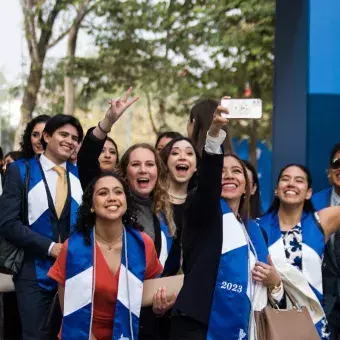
(292, 240)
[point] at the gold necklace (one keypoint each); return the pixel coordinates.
(109, 244)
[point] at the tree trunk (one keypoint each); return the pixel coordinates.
(252, 143)
(69, 87)
(29, 100)
(253, 129)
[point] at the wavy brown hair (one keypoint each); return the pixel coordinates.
(161, 199)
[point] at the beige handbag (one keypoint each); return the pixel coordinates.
(273, 323)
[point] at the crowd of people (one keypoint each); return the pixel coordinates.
(95, 225)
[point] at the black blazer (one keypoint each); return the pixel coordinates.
(202, 242)
(11, 226)
(87, 160)
(331, 279)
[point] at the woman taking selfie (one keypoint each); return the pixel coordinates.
(220, 249)
(296, 238)
(94, 270)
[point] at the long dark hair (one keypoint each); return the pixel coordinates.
(86, 218)
(308, 205)
(243, 209)
(25, 144)
(255, 200)
(165, 153)
(202, 113)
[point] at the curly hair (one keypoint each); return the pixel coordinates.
(25, 144)
(161, 199)
(86, 219)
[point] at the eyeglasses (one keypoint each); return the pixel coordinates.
(335, 164)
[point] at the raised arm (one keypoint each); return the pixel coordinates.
(88, 164)
(206, 200)
(330, 220)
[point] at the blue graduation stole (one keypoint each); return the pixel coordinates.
(80, 283)
(39, 213)
(313, 244)
(231, 307)
(322, 199)
(166, 243)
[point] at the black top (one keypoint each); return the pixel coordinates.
(202, 242)
(87, 160)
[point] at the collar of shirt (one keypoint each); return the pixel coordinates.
(48, 164)
(335, 198)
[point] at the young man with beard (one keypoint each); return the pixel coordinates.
(53, 196)
(331, 265)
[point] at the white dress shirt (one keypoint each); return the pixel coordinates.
(213, 144)
(51, 179)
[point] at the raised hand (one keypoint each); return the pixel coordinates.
(114, 112)
(118, 106)
(219, 120)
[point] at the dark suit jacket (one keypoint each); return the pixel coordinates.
(202, 242)
(11, 226)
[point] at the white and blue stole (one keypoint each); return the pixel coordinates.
(80, 287)
(232, 306)
(313, 243)
(39, 212)
(322, 199)
(166, 244)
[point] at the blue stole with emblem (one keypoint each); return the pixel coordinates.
(231, 307)
(39, 212)
(313, 244)
(322, 199)
(80, 287)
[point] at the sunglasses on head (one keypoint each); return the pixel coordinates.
(336, 164)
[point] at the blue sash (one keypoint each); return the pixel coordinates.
(80, 283)
(322, 199)
(231, 307)
(39, 212)
(166, 243)
(313, 244)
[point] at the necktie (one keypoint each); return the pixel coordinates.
(61, 189)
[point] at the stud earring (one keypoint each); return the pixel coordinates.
(92, 210)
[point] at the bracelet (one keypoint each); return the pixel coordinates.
(102, 130)
(276, 289)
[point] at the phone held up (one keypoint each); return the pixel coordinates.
(249, 108)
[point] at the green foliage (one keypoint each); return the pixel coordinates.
(176, 52)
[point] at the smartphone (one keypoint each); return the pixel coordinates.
(249, 108)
